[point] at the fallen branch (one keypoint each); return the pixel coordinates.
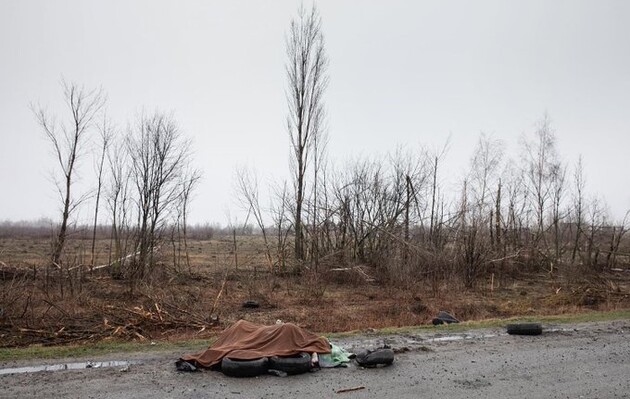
(358, 269)
(351, 389)
(505, 257)
(155, 249)
(216, 301)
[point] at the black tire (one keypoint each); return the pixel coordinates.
(244, 368)
(524, 329)
(298, 364)
(250, 304)
(446, 317)
(384, 356)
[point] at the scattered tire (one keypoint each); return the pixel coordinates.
(524, 329)
(446, 317)
(298, 364)
(244, 368)
(373, 358)
(251, 304)
(182, 365)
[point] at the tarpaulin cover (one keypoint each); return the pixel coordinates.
(246, 341)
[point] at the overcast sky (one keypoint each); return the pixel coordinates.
(406, 73)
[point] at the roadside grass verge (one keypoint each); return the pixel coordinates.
(98, 349)
(110, 347)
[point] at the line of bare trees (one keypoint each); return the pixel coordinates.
(393, 213)
(143, 173)
(390, 212)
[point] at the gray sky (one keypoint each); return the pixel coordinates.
(401, 73)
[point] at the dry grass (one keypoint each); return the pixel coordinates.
(184, 304)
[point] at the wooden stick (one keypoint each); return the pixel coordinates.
(350, 389)
(216, 301)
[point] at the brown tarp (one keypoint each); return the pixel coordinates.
(246, 341)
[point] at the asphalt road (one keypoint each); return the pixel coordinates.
(590, 360)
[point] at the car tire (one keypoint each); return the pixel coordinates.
(298, 364)
(244, 368)
(524, 329)
(250, 304)
(373, 358)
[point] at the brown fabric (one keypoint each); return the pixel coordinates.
(246, 341)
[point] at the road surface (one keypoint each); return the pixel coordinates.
(590, 360)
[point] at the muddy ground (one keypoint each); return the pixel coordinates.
(589, 360)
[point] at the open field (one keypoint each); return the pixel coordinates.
(178, 302)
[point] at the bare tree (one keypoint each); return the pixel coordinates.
(189, 181)
(541, 162)
(473, 246)
(306, 69)
(485, 163)
(580, 182)
(119, 202)
(69, 143)
(159, 155)
(320, 142)
(106, 133)
(282, 223)
(247, 189)
(477, 208)
(513, 183)
(434, 220)
(596, 214)
(410, 176)
(558, 175)
(617, 234)
(497, 217)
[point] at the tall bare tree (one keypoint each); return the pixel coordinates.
(69, 142)
(306, 69)
(119, 202)
(159, 155)
(106, 133)
(541, 161)
(434, 225)
(558, 176)
(247, 192)
(579, 181)
(485, 164)
(189, 181)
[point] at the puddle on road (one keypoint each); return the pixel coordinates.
(445, 338)
(461, 337)
(67, 366)
(548, 330)
(466, 337)
(411, 340)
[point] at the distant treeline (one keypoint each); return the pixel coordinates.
(46, 228)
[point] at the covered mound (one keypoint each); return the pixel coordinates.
(246, 341)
